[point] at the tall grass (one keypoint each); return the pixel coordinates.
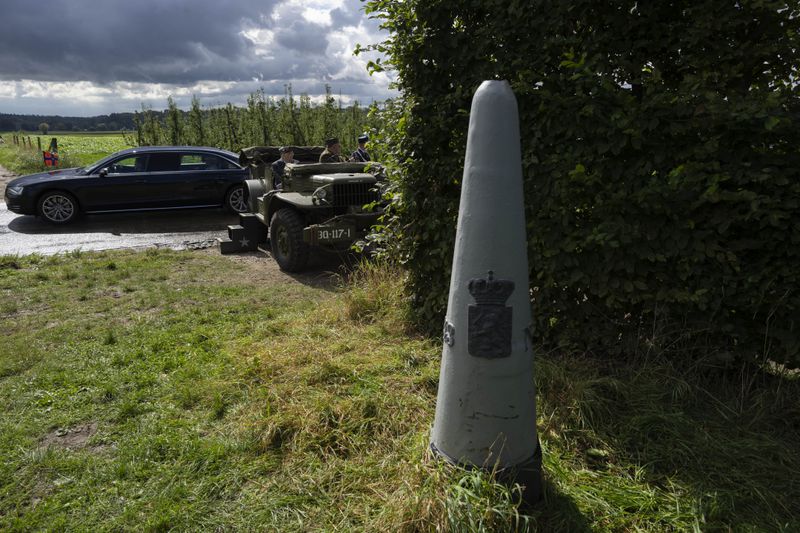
(183, 391)
(647, 443)
(375, 294)
(25, 161)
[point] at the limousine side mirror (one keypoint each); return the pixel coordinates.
(103, 172)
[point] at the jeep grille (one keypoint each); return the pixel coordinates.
(345, 194)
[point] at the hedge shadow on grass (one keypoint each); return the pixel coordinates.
(720, 441)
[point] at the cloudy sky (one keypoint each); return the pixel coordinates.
(90, 57)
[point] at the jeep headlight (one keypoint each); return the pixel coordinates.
(15, 191)
(320, 196)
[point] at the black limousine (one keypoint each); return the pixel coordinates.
(137, 179)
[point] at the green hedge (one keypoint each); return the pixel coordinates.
(660, 154)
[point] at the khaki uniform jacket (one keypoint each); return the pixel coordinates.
(330, 157)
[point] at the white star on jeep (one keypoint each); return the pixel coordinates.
(244, 242)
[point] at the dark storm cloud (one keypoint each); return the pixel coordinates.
(161, 41)
(138, 52)
(303, 36)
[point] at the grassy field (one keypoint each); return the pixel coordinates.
(75, 149)
(169, 390)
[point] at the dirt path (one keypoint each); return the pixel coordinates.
(5, 176)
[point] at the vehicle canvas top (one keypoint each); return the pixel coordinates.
(265, 155)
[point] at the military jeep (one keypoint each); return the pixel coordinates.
(318, 206)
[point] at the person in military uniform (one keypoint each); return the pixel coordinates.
(361, 155)
(279, 166)
(333, 152)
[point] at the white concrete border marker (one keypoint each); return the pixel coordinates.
(486, 404)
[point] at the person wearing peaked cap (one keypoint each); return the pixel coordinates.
(361, 155)
(279, 166)
(332, 152)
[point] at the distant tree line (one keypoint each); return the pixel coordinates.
(264, 121)
(112, 122)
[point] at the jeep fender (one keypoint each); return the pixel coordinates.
(275, 200)
(255, 189)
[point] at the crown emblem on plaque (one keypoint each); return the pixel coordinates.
(490, 291)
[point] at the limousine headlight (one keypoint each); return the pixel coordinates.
(15, 191)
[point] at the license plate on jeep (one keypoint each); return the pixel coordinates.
(334, 234)
(323, 234)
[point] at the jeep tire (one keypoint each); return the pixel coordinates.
(286, 240)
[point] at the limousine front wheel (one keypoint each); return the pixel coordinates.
(58, 207)
(236, 199)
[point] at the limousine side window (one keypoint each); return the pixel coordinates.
(135, 163)
(204, 162)
(192, 162)
(217, 163)
(166, 162)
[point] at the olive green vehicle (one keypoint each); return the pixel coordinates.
(318, 206)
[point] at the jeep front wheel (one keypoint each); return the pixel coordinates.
(286, 240)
